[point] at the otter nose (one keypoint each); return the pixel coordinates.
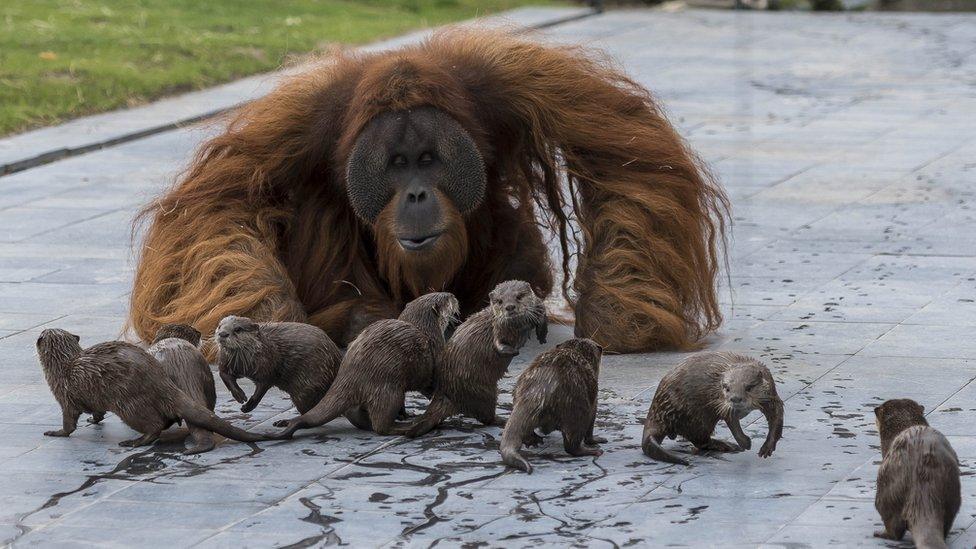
(510, 308)
(735, 400)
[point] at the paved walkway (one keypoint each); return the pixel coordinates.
(848, 147)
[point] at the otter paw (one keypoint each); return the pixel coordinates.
(58, 433)
(248, 406)
(766, 450)
(595, 439)
(281, 423)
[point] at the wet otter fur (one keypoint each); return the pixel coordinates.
(300, 359)
(707, 387)
(176, 349)
(178, 331)
(558, 391)
(918, 480)
(387, 359)
(479, 353)
(121, 378)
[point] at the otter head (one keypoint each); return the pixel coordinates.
(433, 311)
(744, 387)
(237, 335)
(513, 298)
(896, 415)
(57, 346)
(178, 331)
(589, 349)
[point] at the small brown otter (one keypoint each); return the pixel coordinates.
(123, 379)
(175, 347)
(300, 359)
(558, 391)
(703, 389)
(918, 480)
(478, 355)
(387, 359)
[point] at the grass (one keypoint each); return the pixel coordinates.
(61, 59)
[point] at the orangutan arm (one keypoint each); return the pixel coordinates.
(197, 269)
(596, 146)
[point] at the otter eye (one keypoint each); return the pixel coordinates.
(398, 160)
(725, 386)
(238, 329)
(521, 296)
(752, 386)
(425, 158)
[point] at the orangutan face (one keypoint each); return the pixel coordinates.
(412, 175)
(423, 167)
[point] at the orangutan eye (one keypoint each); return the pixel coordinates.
(399, 160)
(425, 158)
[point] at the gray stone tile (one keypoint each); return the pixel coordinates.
(22, 222)
(925, 341)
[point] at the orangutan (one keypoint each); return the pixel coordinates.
(370, 179)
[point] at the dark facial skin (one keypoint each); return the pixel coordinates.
(423, 162)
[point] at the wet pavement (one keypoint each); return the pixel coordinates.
(847, 145)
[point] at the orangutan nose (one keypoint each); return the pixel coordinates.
(418, 217)
(416, 195)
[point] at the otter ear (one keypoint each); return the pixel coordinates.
(77, 338)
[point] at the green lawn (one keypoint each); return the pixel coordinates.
(66, 58)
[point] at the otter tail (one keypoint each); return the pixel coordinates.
(203, 441)
(518, 426)
(928, 533)
(439, 409)
(198, 416)
(330, 407)
(653, 450)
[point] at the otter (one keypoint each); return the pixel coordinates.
(557, 391)
(176, 349)
(126, 380)
(300, 359)
(387, 359)
(478, 355)
(918, 480)
(703, 389)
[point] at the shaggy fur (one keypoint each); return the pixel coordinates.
(261, 225)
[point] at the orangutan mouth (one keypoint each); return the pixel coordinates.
(419, 243)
